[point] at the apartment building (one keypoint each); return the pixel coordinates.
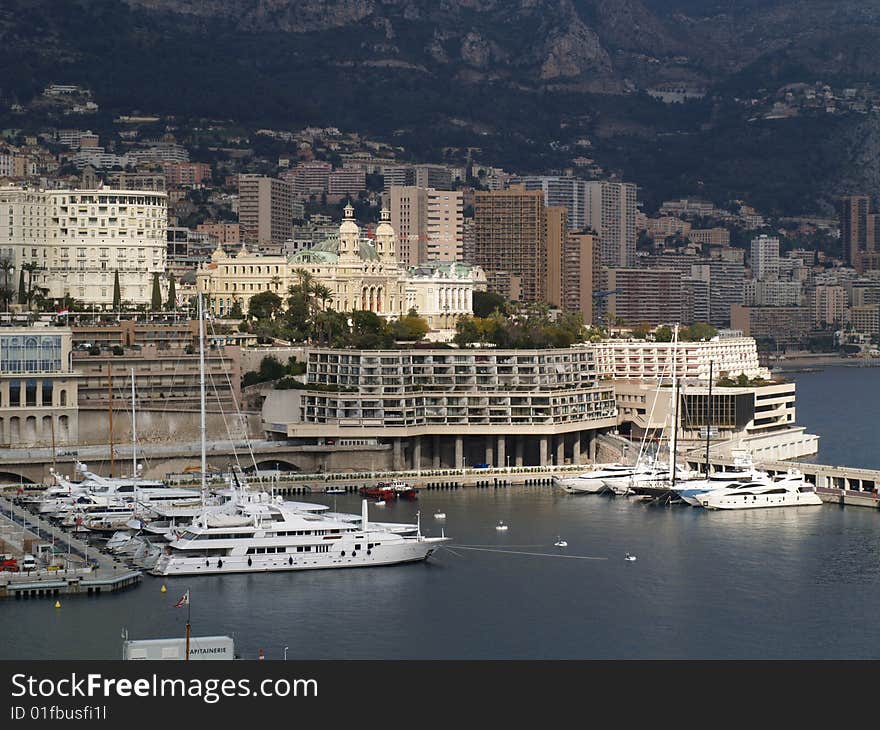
(733, 355)
(80, 239)
(265, 211)
(450, 408)
(429, 224)
(581, 277)
(650, 295)
(510, 242)
(611, 212)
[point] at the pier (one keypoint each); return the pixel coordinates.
(88, 571)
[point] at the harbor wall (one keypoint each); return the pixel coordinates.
(156, 426)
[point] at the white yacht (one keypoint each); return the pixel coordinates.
(786, 490)
(258, 533)
(691, 490)
(591, 482)
(647, 475)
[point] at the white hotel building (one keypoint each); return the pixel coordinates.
(645, 360)
(450, 408)
(80, 239)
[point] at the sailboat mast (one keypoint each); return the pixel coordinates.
(673, 439)
(203, 427)
(674, 432)
(709, 417)
(134, 469)
(110, 411)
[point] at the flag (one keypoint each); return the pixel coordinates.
(184, 600)
(63, 310)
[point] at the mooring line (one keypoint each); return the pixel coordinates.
(539, 555)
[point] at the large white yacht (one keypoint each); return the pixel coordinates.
(786, 490)
(742, 471)
(591, 482)
(256, 532)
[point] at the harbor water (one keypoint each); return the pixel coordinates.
(774, 583)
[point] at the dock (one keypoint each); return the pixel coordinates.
(99, 573)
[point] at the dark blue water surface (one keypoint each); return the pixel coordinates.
(777, 583)
(840, 404)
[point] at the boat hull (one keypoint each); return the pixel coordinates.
(577, 485)
(410, 552)
(743, 501)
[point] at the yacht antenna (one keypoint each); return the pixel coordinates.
(203, 428)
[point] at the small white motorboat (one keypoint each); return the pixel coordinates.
(560, 543)
(439, 515)
(380, 503)
(630, 558)
(500, 525)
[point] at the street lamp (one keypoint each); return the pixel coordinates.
(508, 463)
(285, 652)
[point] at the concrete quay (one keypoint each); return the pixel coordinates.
(100, 573)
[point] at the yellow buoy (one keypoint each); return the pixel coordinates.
(163, 589)
(57, 604)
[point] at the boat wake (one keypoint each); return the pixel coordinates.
(536, 555)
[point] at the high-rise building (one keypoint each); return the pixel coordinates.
(765, 258)
(309, 178)
(347, 181)
(432, 176)
(557, 236)
(265, 210)
(645, 295)
(567, 192)
(611, 212)
(581, 274)
(510, 242)
(829, 304)
(429, 222)
(854, 232)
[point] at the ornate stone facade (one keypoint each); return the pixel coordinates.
(361, 273)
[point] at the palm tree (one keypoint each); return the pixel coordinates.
(30, 267)
(322, 294)
(7, 267)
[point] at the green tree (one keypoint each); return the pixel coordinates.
(22, 290)
(698, 331)
(235, 310)
(663, 334)
(7, 267)
(172, 294)
(265, 305)
(369, 331)
(117, 293)
(156, 298)
(467, 331)
(30, 267)
(486, 302)
(410, 328)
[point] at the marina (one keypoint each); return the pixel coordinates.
(641, 572)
